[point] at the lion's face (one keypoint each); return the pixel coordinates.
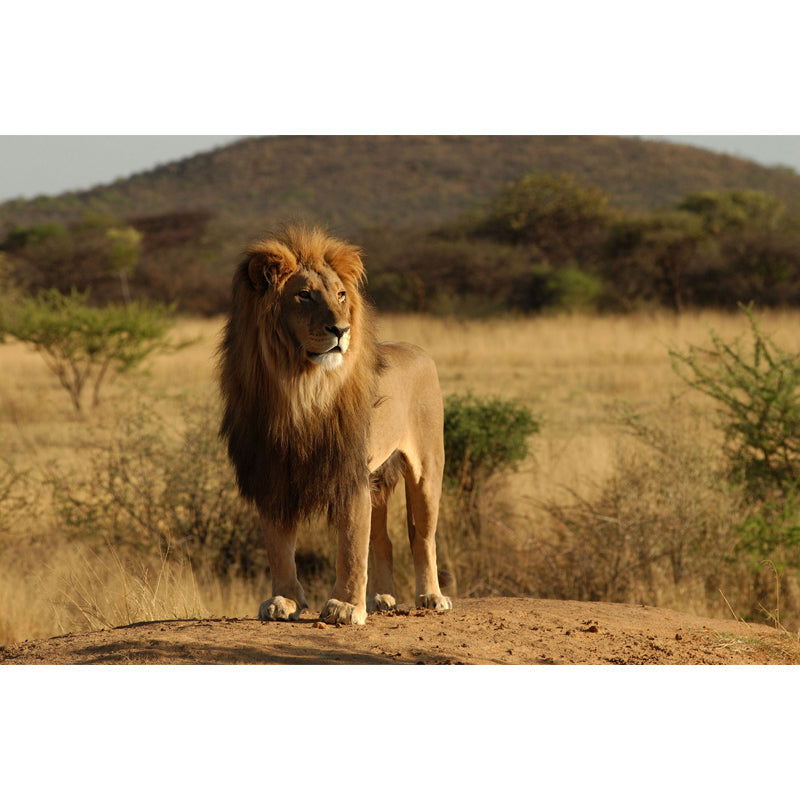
(316, 310)
(303, 289)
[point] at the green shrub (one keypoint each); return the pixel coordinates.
(566, 289)
(757, 387)
(482, 436)
(79, 343)
(20, 237)
(771, 531)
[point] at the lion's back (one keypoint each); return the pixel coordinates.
(408, 414)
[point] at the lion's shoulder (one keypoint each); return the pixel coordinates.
(405, 359)
(403, 353)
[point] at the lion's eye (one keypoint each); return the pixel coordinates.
(304, 295)
(342, 297)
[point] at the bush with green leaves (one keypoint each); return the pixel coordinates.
(80, 342)
(567, 289)
(757, 387)
(484, 439)
(483, 435)
(20, 237)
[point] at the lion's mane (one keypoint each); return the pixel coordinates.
(296, 434)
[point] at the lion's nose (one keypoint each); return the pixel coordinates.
(338, 330)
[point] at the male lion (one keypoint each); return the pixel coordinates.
(320, 417)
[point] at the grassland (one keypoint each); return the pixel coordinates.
(573, 371)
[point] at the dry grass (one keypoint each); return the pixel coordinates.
(572, 370)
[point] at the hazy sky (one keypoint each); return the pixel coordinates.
(34, 165)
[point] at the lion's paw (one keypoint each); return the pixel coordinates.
(381, 602)
(335, 611)
(437, 602)
(279, 608)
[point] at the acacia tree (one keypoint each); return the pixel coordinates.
(79, 343)
(557, 213)
(654, 257)
(736, 210)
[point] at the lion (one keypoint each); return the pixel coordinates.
(321, 418)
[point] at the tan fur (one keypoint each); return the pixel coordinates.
(319, 417)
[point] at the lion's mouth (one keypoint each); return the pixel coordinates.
(334, 349)
(330, 359)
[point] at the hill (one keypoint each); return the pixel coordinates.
(490, 630)
(353, 182)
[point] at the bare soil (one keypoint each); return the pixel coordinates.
(492, 630)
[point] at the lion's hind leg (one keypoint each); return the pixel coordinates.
(380, 592)
(422, 509)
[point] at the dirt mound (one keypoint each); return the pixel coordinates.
(483, 631)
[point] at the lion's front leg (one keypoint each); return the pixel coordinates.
(348, 602)
(288, 598)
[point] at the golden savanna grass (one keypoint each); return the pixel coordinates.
(573, 371)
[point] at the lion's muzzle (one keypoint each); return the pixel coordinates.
(331, 356)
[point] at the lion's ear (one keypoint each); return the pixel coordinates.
(268, 268)
(348, 264)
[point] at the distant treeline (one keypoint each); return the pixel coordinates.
(548, 242)
(545, 242)
(164, 258)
